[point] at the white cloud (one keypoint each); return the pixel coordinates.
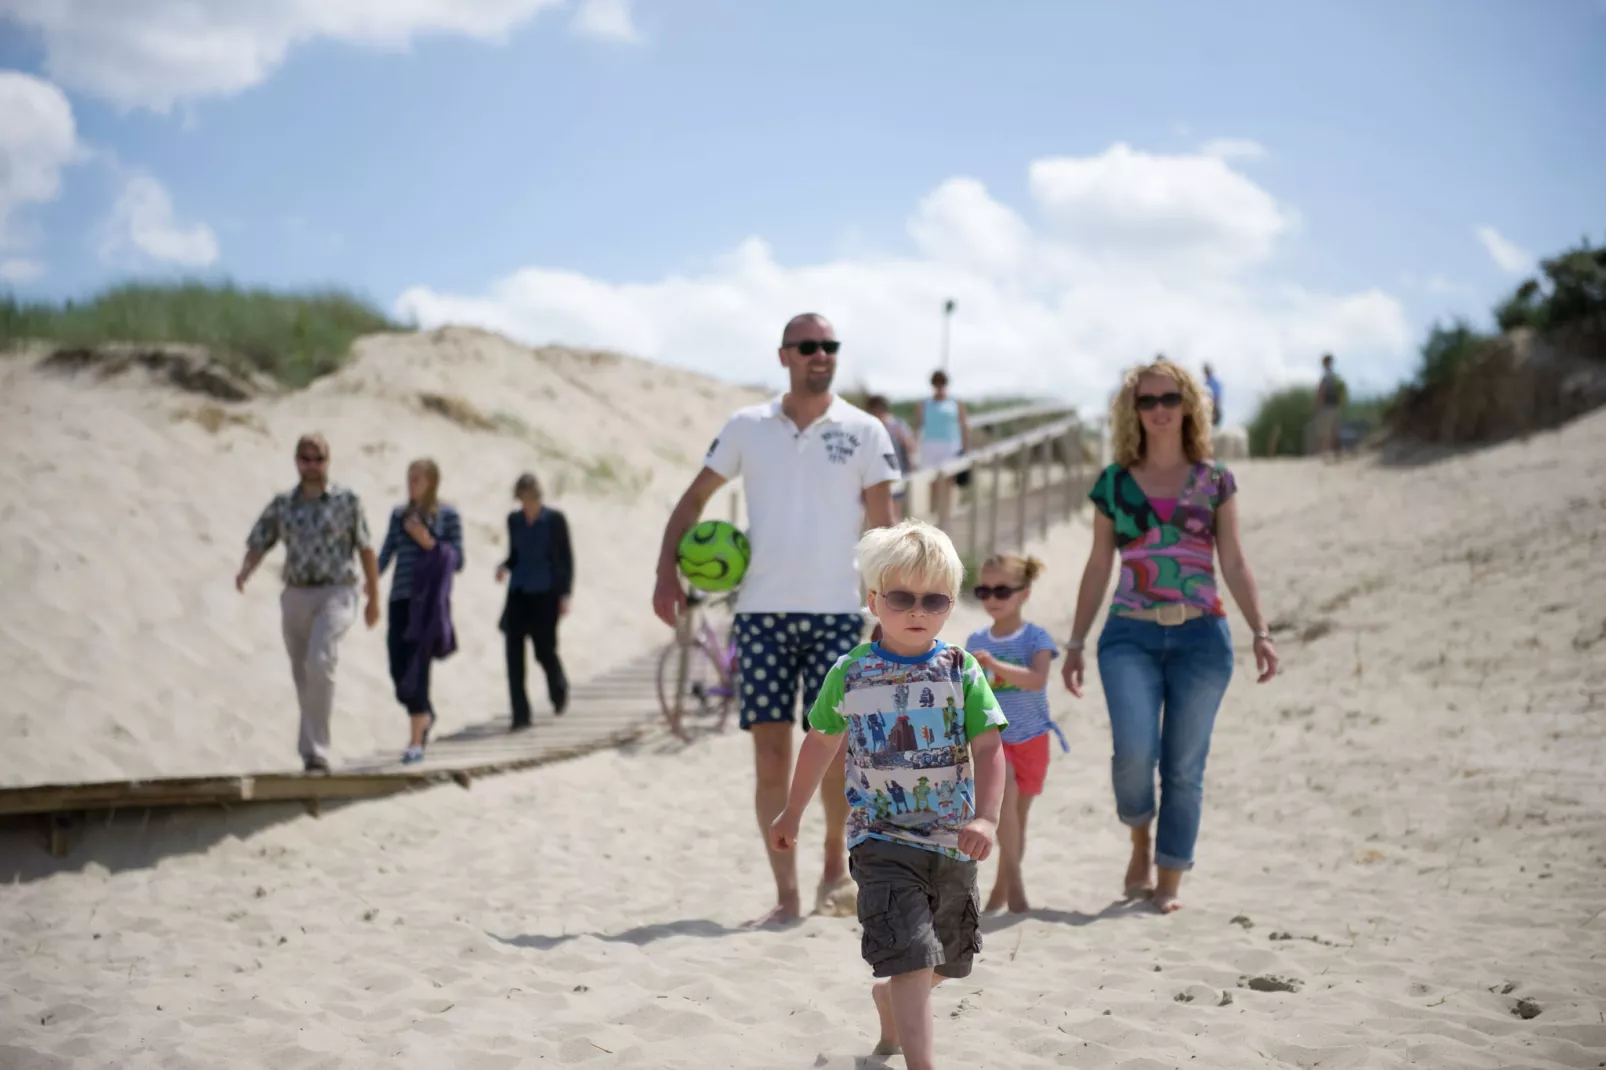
(37, 139)
(1056, 309)
(154, 53)
(20, 270)
(1233, 148)
(608, 20)
(1511, 259)
(1192, 212)
(142, 219)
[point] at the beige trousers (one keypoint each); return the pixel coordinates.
(314, 620)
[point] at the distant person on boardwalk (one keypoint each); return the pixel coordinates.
(1214, 386)
(1016, 656)
(1165, 655)
(1329, 411)
(816, 469)
(918, 725)
(425, 539)
(322, 527)
(903, 436)
(943, 427)
(539, 571)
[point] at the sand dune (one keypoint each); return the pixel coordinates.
(127, 650)
(1401, 863)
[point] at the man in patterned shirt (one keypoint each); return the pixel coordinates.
(322, 527)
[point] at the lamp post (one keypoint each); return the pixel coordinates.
(947, 316)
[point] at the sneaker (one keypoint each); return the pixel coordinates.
(316, 767)
(412, 754)
(559, 706)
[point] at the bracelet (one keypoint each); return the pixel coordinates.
(1074, 644)
(1266, 635)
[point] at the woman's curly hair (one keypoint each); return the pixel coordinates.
(1126, 430)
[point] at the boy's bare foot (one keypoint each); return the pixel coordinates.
(881, 993)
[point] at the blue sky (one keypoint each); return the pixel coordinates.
(1243, 183)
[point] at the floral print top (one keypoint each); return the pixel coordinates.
(1165, 560)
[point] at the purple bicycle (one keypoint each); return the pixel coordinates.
(697, 670)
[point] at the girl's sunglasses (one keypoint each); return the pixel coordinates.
(1000, 592)
(811, 347)
(1170, 400)
(904, 601)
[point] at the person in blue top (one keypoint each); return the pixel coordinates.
(943, 428)
(1214, 385)
(415, 529)
(1015, 654)
(539, 571)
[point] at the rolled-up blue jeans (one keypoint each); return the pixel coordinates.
(1162, 686)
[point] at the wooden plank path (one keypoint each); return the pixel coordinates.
(611, 709)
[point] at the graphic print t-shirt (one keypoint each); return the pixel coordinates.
(1027, 710)
(909, 722)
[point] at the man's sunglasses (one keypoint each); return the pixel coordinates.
(811, 347)
(904, 601)
(1170, 400)
(311, 458)
(1000, 592)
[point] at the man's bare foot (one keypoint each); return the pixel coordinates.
(1017, 900)
(785, 912)
(837, 898)
(1139, 874)
(997, 899)
(881, 993)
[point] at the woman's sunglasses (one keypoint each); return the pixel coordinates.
(1171, 399)
(904, 601)
(1000, 592)
(811, 347)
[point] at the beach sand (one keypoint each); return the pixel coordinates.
(1406, 830)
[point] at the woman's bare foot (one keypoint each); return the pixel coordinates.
(997, 899)
(1140, 872)
(881, 993)
(1017, 899)
(1167, 890)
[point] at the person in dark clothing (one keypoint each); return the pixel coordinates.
(539, 571)
(416, 530)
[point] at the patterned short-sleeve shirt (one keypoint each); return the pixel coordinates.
(321, 535)
(1165, 561)
(910, 722)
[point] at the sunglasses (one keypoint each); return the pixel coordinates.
(1000, 592)
(811, 347)
(310, 458)
(904, 601)
(1170, 399)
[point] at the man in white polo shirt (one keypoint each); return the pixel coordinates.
(815, 468)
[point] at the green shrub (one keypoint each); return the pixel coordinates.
(1278, 426)
(1446, 350)
(293, 337)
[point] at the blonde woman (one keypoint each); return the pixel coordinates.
(1165, 654)
(425, 539)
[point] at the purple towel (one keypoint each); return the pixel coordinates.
(429, 619)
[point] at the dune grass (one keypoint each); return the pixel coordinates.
(291, 337)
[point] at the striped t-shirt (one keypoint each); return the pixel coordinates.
(1027, 710)
(445, 526)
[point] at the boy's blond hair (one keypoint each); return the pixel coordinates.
(914, 551)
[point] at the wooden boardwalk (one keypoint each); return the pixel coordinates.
(607, 711)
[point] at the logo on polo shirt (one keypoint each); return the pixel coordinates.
(840, 446)
(712, 448)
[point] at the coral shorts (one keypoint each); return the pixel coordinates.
(1030, 762)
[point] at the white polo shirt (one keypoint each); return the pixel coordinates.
(804, 506)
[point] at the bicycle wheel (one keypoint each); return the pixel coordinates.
(700, 694)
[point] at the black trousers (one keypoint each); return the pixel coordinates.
(533, 617)
(401, 655)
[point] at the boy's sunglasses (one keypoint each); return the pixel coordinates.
(1000, 592)
(904, 601)
(811, 347)
(1170, 400)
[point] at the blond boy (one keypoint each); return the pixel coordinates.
(925, 780)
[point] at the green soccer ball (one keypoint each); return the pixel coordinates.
(714, 555)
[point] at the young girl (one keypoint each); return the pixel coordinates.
(1016, 657)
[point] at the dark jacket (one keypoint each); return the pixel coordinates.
(429, 622)
(559, 553)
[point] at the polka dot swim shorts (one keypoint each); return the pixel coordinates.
(777, 652)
